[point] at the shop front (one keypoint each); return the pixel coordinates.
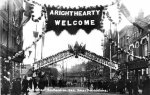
(137, 70)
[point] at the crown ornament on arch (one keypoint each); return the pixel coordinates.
(76, 49)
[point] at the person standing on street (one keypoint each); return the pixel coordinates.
(16, 87)
(135, 87)
(41, 83)
(30, 83)
(129, 86)
(25, 85)
(146, 86)
(34, 80)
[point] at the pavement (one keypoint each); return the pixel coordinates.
(71, 91)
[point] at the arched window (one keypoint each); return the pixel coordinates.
(145, 47)
(136, 48)
(131, 48)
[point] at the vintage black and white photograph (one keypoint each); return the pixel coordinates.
(74, 47)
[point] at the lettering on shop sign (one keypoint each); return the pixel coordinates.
(73, 19)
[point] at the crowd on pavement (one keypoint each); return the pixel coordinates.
(20, 86)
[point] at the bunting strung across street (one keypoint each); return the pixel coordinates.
(73, 19)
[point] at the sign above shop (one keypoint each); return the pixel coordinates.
(73, 19)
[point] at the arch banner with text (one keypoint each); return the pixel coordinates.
(73, 19)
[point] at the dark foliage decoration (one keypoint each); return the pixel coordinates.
(77, 49)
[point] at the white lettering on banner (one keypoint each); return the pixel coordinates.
(52, 59)
(48, 60)
(68, 23)
(73, 23)
(97, 11)
(86, 22)
(106, 62)
(92, 22)
(51, 12)
(63, 22)
(63, 55)
(80, 22)
(56, 12)
(74, 13)
(71, 13)
(80, 13)
(57, 22)
(88, 12)
(84, 13)
(99, 60)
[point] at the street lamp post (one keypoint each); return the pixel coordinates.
(35, 34)
(127, 59)
(110, 59)
(110, 55)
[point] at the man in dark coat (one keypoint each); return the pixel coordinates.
(5, 82)
(129, 86)
(120, 86)
(41, 83)
(16, 87)
(34, 80)
(5, 86)
(30, 83)
(60, 83)
(135, 87)
(146, 86)
(25, 85)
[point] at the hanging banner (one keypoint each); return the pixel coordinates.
(73, 19)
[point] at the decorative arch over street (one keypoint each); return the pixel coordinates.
(75, 51)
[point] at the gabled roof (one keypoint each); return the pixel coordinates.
(143, 23)
(127, 30)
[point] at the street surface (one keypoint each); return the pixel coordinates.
(71, 91)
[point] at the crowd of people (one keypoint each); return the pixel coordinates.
(122, 86)
(40, 81)
(20, 86)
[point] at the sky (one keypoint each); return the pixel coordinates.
(54, 44)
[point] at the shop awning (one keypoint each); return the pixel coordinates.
(137, 64)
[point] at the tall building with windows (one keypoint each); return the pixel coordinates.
(11, 15)
(135, 40)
